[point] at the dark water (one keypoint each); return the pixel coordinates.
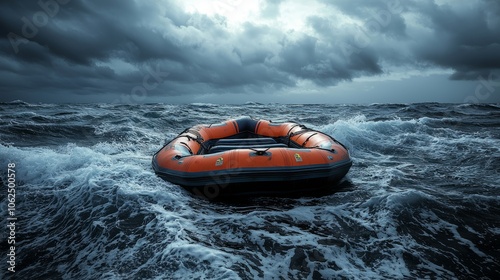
(422, 199)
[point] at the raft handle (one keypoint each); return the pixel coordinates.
(260, 152)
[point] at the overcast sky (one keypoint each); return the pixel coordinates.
(222, 51)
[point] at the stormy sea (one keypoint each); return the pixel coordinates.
(80, 200)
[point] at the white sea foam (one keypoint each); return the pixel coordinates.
(419, 201)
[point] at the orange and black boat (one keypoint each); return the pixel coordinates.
(250, 157)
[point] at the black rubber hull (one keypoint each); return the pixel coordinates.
(258, 182)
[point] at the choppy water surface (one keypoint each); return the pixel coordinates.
(422, 199)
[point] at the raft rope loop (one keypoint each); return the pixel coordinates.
(315, 133)
(306, 129)
(290, 135)
(199, 139)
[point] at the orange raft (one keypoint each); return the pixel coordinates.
(245, 156)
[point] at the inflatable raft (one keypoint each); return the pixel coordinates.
(250, 157)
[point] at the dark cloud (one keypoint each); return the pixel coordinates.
(157, 48)
(384, 17)
(308, 58)
(465, 39)
(191, 48)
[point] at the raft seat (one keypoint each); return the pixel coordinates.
(245, 141)
(223, 148)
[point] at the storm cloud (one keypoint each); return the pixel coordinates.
(163, 48)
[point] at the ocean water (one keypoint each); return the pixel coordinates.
(421, 201)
